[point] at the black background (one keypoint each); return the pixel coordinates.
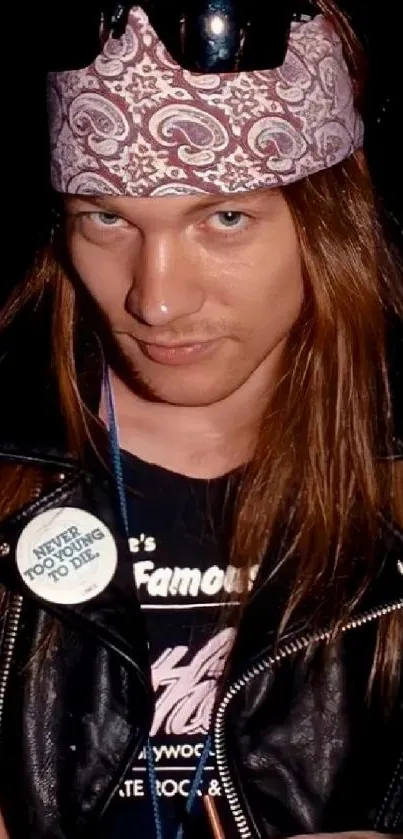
(26, 193)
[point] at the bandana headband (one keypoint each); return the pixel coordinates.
(135, 123)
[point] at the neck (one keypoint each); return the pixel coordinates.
(202, 442)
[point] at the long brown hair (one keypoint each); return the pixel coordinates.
(317, 453)
(319, 450)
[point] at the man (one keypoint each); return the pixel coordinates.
(201, 508)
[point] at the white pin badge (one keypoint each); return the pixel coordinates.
(66, 555)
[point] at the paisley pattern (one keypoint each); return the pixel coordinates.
(135, 123)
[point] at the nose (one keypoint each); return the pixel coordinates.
(166, 285)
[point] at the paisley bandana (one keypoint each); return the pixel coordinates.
(135, 123)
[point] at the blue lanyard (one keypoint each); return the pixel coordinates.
(151, 773)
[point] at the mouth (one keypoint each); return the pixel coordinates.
(177, 354)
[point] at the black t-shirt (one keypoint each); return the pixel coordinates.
(178, 529)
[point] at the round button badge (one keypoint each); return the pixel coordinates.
(66, 555)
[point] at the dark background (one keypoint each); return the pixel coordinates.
(26, 194)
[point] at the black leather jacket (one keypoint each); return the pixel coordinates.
(298, 749)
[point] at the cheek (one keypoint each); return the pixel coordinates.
(285, 289)
(269, 290)
(105, 276)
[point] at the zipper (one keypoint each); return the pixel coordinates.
(12, 621)
(9, 637)
(11, 624)
(264, 664)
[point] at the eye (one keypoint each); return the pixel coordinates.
(228, 220)
(105, 219)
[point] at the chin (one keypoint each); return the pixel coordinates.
(195, 385)
(191, 386)
(184, 390)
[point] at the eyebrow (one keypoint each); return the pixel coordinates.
(243, 198)
(212, 200)
(97, 200)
